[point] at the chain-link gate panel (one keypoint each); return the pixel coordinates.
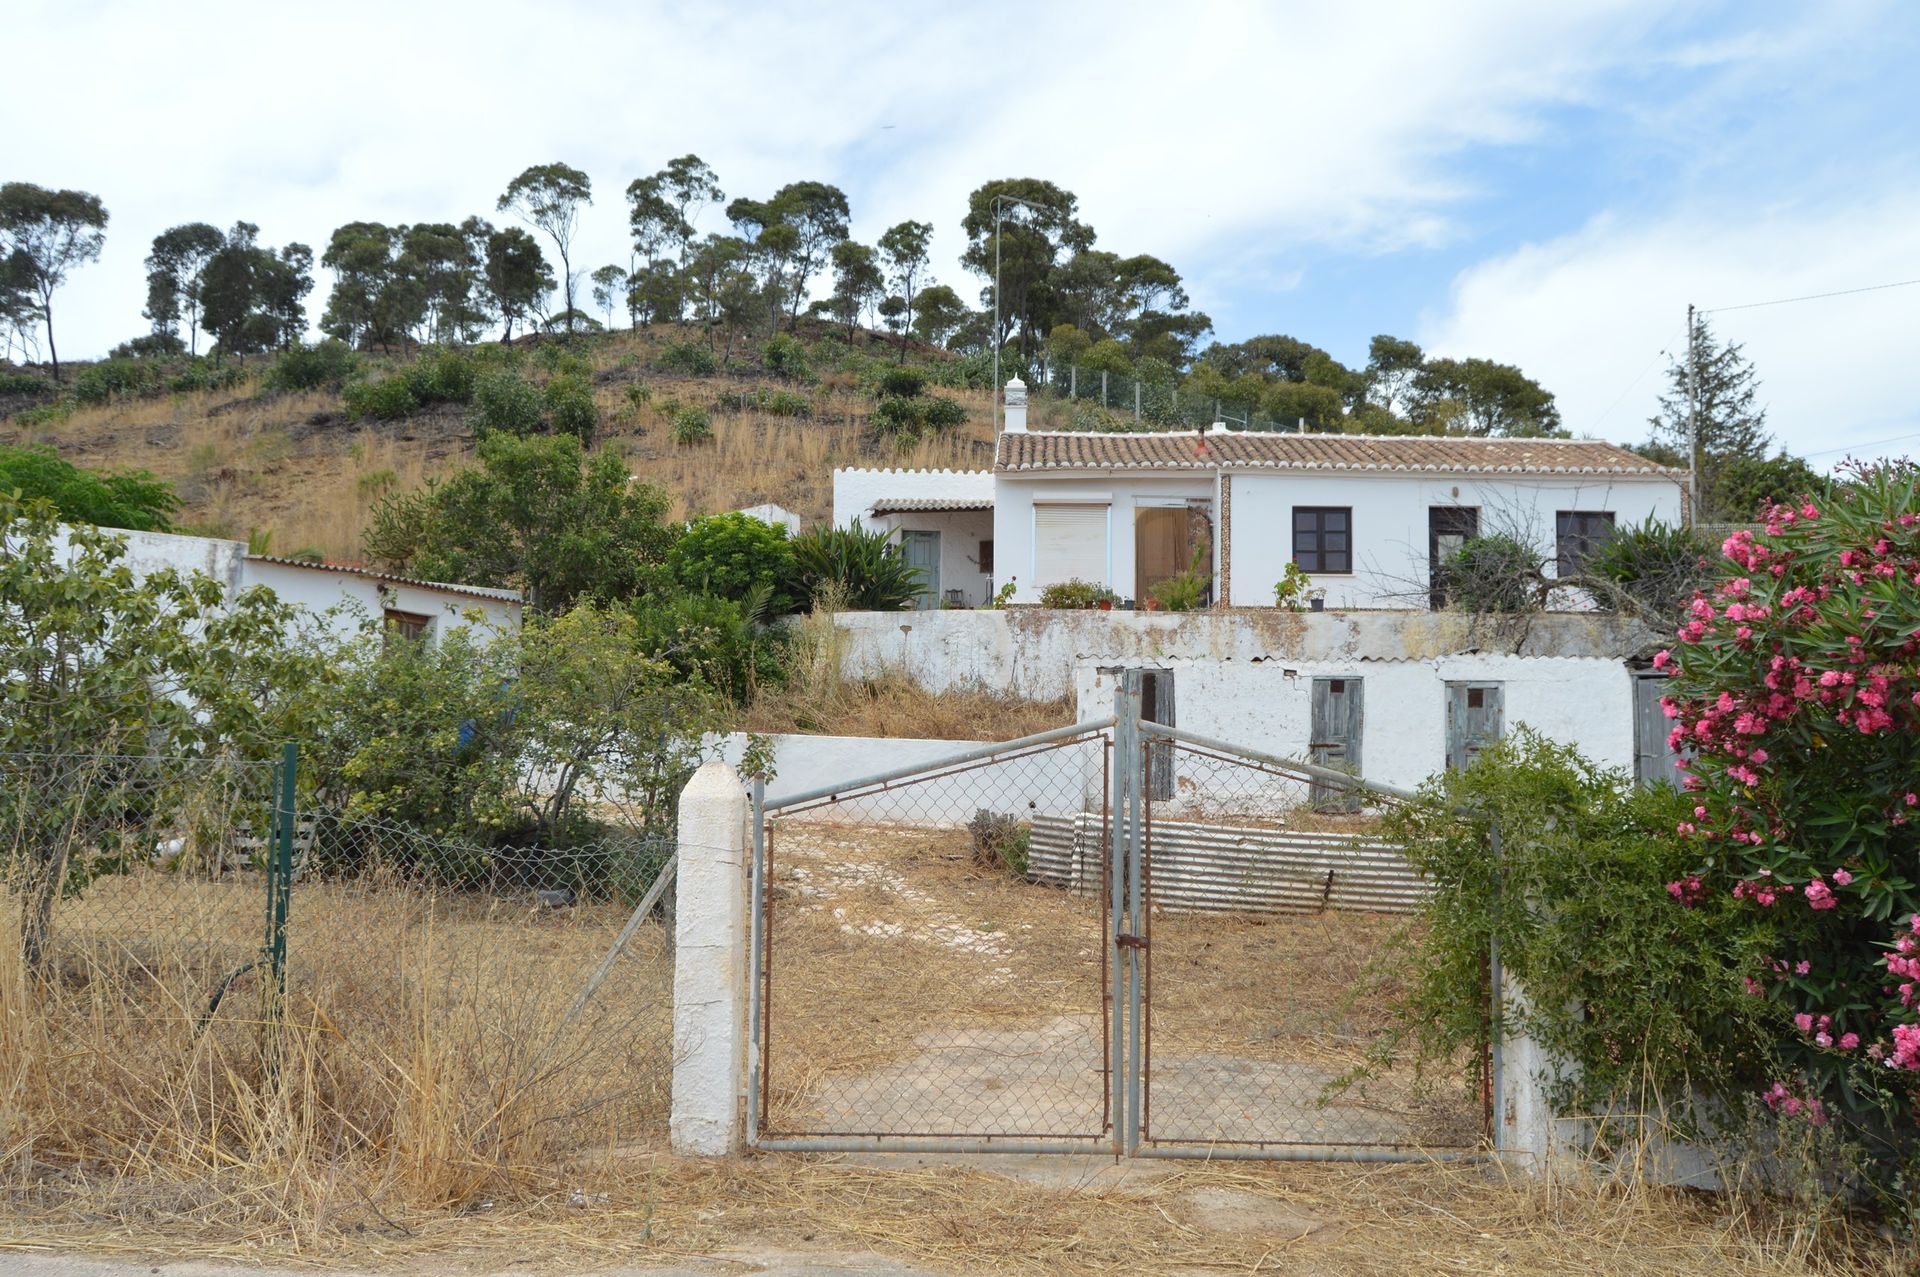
(933, 955)
(1271, 904)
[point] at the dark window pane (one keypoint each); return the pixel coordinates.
(1336, 520)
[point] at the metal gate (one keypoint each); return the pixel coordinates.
(1048, 945)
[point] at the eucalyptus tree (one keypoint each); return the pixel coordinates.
(176, 269)
(905, 250)
(44, 234)
(549, 198)
(518, 278)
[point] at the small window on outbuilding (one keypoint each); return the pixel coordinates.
(412, 626)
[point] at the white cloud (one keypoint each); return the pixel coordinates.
(1202, 133)
(1590, 313)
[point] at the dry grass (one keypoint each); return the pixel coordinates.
(423, 1061)
(819, 699)
(404, 1130)
(293, 465)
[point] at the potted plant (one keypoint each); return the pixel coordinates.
(1106, 605)
(1317, 600)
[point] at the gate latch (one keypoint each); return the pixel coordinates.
(1130, 942)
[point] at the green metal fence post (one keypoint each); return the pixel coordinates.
(279, 893)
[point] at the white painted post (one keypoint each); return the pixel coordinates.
(709, 965)
(1016, 407)
(1527, 1132)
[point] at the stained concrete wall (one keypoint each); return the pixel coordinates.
(1056, 782)
(1033, 652)
(1586, 702)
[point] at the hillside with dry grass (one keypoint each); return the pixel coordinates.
(247, 461)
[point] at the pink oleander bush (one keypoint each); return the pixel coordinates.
(1796, 689)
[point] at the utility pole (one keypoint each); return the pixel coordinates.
(1693, 424)
(999, 210)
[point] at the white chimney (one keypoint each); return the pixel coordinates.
(1016, 407)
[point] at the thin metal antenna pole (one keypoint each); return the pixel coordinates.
(1693, 424)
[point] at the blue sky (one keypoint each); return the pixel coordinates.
(1543, 185)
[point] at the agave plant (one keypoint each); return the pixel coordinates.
(863, 568)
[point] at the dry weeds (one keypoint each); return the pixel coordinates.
(425, 1115)
(293, 465)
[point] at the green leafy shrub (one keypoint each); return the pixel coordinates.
(1645, 998)
(440, 375)
(691, 425)
(23, 383)
(736, 556)
(775, 403)
(785, 356)
(507, 402)
(906, 419)
(901, 383)
(716, 641)
(639, 395)
(200, 375)
(329, 363)
(114, 379)
(388, 399)
(1493, 574)
(862, 569)
(559, 359)
(571, 409)
(1076, 594)
(130, 499)
(688, 357)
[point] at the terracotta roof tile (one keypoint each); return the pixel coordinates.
(903, 505)
(1018, 453)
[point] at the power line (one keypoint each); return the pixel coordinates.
(1871, 443)
(1812, 297)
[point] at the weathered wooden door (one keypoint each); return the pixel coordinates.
(922, 552)
(1448, 528)
(1338, 714)
(1654, 762)
(1156, 706)
(1474, 721)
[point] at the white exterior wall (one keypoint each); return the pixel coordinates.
(1390, 524)
(855, 490)
(776, 515)
(319, 589)
(1058, 783)
(1586, 702)
(1121, 493)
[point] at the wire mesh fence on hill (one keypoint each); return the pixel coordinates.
(1067, 397)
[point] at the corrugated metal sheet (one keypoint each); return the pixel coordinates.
(1225, 868)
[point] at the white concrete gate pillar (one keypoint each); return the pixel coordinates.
(709, 964)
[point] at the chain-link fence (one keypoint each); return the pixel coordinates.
(187, 974)
(916, 979)
(1069, 397)
(1273, 911)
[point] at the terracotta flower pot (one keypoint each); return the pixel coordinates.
(1106, 605)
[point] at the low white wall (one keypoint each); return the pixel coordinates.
(1582, 701)
(319, 589)
(1033, 653)
(1056, 782)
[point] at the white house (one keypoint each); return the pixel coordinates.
(1368, 518)
(415, 608)
(943, 520)
(777, 515)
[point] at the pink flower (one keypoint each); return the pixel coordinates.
(1848, 1041)
(1661, 658)
(1802, 967)
(1803, 1022)
(1820, 896)
(1841, 877)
